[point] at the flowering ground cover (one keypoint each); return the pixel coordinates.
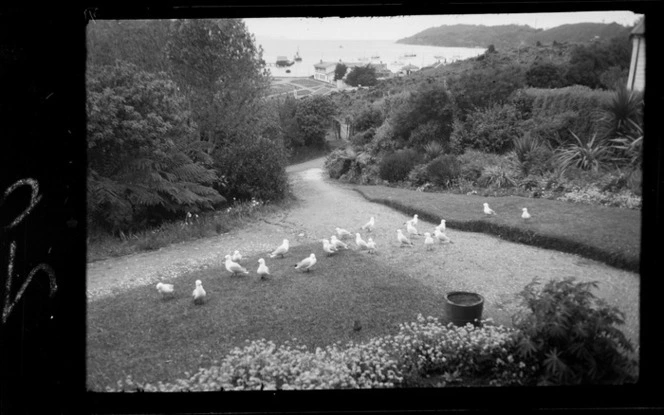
(609, 235)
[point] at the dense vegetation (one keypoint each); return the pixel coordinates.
(507, 36)
(540, 122)
(178, 122)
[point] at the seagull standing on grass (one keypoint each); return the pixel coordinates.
(361, 244)
(342, 233)
(199, 293)
(263, 270)
(306, 263)
(337, 243)
(369, 225)
(428, 241)
(441, 227)
(411, 229)
(236, 256)
(413, 221)
(281, 250)
(371, 245)
(488, 210)
(402, 239)
(234, 267)
(444, 239)
(525, 215)
(165, 289)
(327, 247)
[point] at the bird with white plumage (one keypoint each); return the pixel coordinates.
(488, 210)
(342, 233)
(263, 270)
(306, 263)
(281, 250)
(361, 243)
(369, 226)
(410, 228)
(444, 239)
(166, 290)
(413, 221)
(328, 248)
(337, 243)
(428, 241)
(199, 293)
(402, 239)
(234, 267)
(441, 227)
(525, 215)
(371, 245)
(237, 257)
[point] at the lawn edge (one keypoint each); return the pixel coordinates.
(513, 234)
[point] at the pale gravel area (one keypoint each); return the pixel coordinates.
(495, 268)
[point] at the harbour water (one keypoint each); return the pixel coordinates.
(395, 55)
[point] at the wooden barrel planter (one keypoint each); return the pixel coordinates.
(464, 307)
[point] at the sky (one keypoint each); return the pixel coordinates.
(393, 28)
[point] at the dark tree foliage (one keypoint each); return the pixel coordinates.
(427, 115)
(221, 70)
(589, 62)
(362, 75)
(545, 75)
(367, 118)
(144, 159)
(340, 71)
(141, 42)
(313, 116)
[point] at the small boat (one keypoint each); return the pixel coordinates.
(283, 61)
(409, 55)
(297, 57)
(375, 57)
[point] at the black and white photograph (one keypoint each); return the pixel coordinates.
(424, 201)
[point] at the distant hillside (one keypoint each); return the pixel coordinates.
(509, 36)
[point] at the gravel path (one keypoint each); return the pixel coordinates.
(478, 262)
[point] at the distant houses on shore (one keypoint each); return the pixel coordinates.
(324, 71)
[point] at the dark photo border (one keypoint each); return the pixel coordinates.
(43, 230)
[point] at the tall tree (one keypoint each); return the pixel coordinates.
(222, 72)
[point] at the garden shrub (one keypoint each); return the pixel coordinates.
(443, 170)
(593, 195)
(531, 155)
(490, 129)
(472, 162)
(418, 175)
(545, 75)
(573, 334)
(252, 168)
(584, 153)
(368, 117)
(338, 162)
(363, 138)
(499, 177)
(396, 166)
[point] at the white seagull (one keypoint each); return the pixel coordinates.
(263, 270)
(327, 247)
(441, 227)
(371, 245)
(411, 229)
(306, 263)
(413, 221)
(199, 293)
(428, 241)
(337, 243)
(442, 237)
(369, 225)
(361, 244)
(281, 250)
(342, 233)
(525, 215)
(402, 239)
(234, 267)
(236, 256)
(488, 210)
(165, 289)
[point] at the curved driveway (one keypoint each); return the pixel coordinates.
(477, 262)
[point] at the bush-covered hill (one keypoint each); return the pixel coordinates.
(513, 35)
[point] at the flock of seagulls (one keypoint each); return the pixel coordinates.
(330, 247)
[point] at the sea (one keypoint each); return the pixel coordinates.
(395, 55)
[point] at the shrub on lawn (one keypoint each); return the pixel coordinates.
(531, 155)
(472, 162)
(396, 166)
(584, 153)
(573, 334)
(418, 175)
(499, 177)
(443, 170)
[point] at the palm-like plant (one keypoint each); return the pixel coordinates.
(622, 113)
(433, 149)
(629, 146)
(584, 154)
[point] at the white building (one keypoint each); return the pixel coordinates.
(637, 68)
(325, 71)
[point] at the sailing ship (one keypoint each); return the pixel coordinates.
(297, 57)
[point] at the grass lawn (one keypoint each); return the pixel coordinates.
(155, 340)
(605, 234)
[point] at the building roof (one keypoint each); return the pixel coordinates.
(640, 28)
(324, 65)
(409, 66)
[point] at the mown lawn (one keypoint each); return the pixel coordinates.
(154, 340)
(609, 235)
